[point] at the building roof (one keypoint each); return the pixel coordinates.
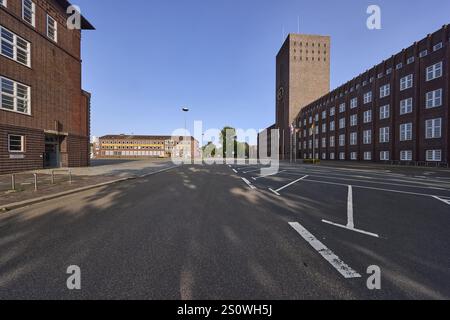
(85, 24)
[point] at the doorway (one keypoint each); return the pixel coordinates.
(52, 151)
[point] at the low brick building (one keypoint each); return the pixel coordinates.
(44, 113)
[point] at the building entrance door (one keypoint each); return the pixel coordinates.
(51, 157)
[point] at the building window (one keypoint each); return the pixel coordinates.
(384, 155)
(324, 128)
(3, 3)
(406, 132)
(16, 143)
(434, 99)
(332, 156)
(406, 82)
(14, 96)
(410, 60)
(434, 71)
(437, 46)
(385, 91)
(324, 156)
(368, 116)
(434, 155)
(342, 140)
(29, 12)
(423, 53)
(353, 156)
(406, 106)
(342, 108)
(367, 136)
(14, 47)
(353, 139)
(342, 156)
(384, 112)
(399, 66)
(52, 28)
(324, 142)
(316, 117)
(406, 155)
(332, 126)
(332, 142)
(389, 71)
(353, 120)
(368, 97)
(332, 112)
(368, 156)
(342, 123)
(354, 103)
(324, 115)
(384, 135)
(433, 128)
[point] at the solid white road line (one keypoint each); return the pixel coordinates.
(252, 170)
(274, 192)
(234, 170)
(446, 201)
(346, 271)
(350, 221)
(249, 184)
(268, 175)
(351, 229)
(290, 184)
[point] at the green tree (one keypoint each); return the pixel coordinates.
(228, 133)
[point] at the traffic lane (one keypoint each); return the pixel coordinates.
(410, 246)
(192, 233)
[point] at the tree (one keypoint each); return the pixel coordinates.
(209, 150)
(228, 133)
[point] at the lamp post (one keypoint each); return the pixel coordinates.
(185, 111)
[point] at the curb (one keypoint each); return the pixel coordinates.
(21, 204)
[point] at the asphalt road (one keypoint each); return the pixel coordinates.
(204, 232)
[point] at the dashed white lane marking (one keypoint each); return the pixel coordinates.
(446, 201)
(277, 192)
(249, 184)
(346, 271)
(268, 175)
(350, 220)
(234, 170)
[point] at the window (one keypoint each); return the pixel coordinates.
(15, 143)
(342, 108)
(52, 28)
(354, 103)
(385, 91)
(342, 140)
(434, 155)
(406, 82)
(384, 135)
(406, 106)
(380, 75)
(406, 132)
(3, 3)
(316, 117)
(384, 156)
(367, 137)
(353, 156)
(367, 156)
(434, 71)
(384, 112)
(332, 156)
(324, 142)
(342, 156)
(368, 116)
(423, 53)
(406, 155)
(353, 120)
(324, 128)
(433, 128)
(332, 112)
(410, 60)
(14, 96)
(437, 46)
(353, 139)
(368, 97)
(14, 47)
(310, 119)
(332, 142)
(332, 126)
(399, 66)
(342, 123)
(324, 115)
(324, 156)
(29, 12)
(389, 71)
(434, 99)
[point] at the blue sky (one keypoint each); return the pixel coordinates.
(148, 58)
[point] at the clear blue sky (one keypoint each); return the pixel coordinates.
(148, 58)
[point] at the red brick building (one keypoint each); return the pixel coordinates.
(396, 112)
(44, 113)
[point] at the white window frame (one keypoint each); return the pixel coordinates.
(385, 91)
(423, 53)
(433, 99)
(342, 140)
(433, 128)
(406, 155)
(353, 156)
(367, 156)
(385, 156)
(22, 143)
(353, 138)
(342, 156)
(342, 123)
(406, 106)
(332, 111)
(438, 46)
(411, 60)
(434, 71)
(332, 141)
(332, 156)
(406, 131)
(368, 116)
(332, 125)
(16, 47)
(32, 12)
(354, 103)
(15, 96)
(353, 120)
(342, 108)
(51, 21)
(367, 137)
(385, 135)
(368, 97)
(385, 112)
(406, 82)
(434, 155)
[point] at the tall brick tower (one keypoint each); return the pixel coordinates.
(302, 76)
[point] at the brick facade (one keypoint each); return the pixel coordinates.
(59, 106)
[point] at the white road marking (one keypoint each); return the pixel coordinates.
(274, 192)
(234, 170)
(288, 185)
(446, 201)
(259, 169)
(268, 175)
(351, 229)
(350, 221)
(249, 183)
(346, 271)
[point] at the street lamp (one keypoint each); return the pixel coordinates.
(185, 110)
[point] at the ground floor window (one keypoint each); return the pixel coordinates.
(332, 156)
(384, 155)
(342, 156)
(434, 155)
(353, 156)
(367, 155)
(406, 155)
(16, 143)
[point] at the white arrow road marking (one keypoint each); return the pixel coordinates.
(446, 201)
(346, 271)
(277, 192)
(350, 221)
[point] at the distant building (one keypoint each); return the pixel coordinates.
(44, 113)
(134, 146)
(396, 112)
